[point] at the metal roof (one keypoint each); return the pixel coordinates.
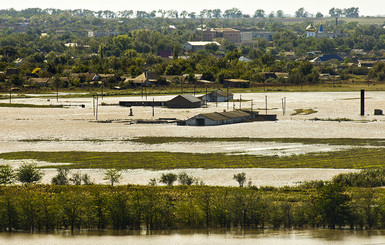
(218, 116)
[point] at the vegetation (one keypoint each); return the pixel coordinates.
(330, 141)
(51, 45)
(48, 207)
(113, 175)
(29, 105)
(240, 178)
(303, 112)
(28, 174)
(355, 158)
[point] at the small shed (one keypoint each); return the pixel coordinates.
(184, 101)
(220, 118)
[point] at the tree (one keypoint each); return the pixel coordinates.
(259, 13)
(333, 205)
(168, 179)
(7, 175)
(240, 178)
(279, 14)
(113, 175)
(28, 173)
(61, 178)
(301, 13)
(319, 15)
(184, 179)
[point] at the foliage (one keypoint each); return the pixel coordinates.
(364, 178)
(113, 175)
(61, 178)
(240, 178)
(49, 207)
(7, 175)
(333, 205)
(168, 178)
(28, 173)
(185, 179)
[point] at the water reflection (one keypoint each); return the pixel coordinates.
(201, 237)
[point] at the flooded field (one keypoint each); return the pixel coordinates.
(74, 129)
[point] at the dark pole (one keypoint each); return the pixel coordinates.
(206, 97)
(240, 101)
(145, 91)
(153, 110)
(216, 98)
(227, 98)
(97, 100)
(362, 102)
(102, 91)
(93, 103)
(10, 92)
(266, 103)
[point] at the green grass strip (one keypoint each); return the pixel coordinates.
(357, 158)
(29, 105)
(330, 141)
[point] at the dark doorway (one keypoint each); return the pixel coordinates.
(200, 121)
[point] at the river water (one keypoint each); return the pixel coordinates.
(266, 237)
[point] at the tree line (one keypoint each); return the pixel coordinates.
(352, 12)
(49, 207)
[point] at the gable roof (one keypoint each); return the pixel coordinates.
(188, 97)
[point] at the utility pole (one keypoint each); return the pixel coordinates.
(266, 103)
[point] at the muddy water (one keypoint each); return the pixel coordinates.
(73, 127)
(307, 237)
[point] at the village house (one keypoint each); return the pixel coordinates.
(198, 45)
(236, 83)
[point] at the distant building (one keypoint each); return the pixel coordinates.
(252, 34)
(311, 31)
(197, 45)
(229, 34)
(184, 101)
(236, 83)
(217, 96)
(325, 58)
(220, 118)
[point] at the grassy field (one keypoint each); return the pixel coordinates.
(29, 105)
(166, 140)
(330, 141)
(357, 158)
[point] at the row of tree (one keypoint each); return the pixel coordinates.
(48, 207)
(172, 13)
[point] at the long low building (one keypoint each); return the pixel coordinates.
(219, 118)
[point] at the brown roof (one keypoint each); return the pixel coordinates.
(219, 116)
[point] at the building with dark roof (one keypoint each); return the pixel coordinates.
(184, 101)
(217, 96)
(326, 57)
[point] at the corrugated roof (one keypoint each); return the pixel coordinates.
(190, 98)
(218, 116)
